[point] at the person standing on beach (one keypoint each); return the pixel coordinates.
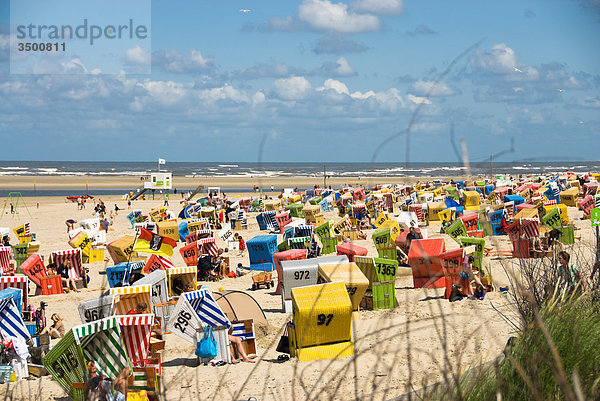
(569, 274)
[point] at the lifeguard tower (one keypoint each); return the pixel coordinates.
(162, 181)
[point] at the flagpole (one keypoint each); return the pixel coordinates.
(129, 258)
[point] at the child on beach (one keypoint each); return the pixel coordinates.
(457, 293)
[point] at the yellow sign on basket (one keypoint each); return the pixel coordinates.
(82, 241)
(394, 228)
(381, 219)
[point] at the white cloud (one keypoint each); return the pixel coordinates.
(165, 92)
(339, 68)
(326, 16)
(226, 92)
(417, 99)
(384, 7)
(500, 59)
(431, 88)
(344, 68)
(175, 62)
(360, 95)
(74, 66)
(137, 55)
(335, 85)
(294, 88)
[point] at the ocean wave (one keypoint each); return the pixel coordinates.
(227, 165)
(14, 168)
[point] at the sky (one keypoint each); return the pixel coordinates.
(310, 80)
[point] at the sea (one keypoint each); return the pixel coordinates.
(352, 170)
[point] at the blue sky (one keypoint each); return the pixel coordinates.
(318, 80)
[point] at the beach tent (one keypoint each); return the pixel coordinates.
(74, 257)
(94, 309)
(239, 305)
(321, 324)
(127, 298)
(19, 282)
(193, 311)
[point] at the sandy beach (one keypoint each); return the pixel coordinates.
(396, 350)
(78, 183)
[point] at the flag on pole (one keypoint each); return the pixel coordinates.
(149, 242)
(161, 161)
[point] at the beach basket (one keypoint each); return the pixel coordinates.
(350, 250)
(479, 248)
(292, 254)
(383, 242)
(423, 257)
(350, 274)
(381, 274)
(322, 319)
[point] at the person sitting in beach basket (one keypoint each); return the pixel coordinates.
(139, 309)
(67, 281)
(237, 343)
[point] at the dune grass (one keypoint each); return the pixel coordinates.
(556, 357)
